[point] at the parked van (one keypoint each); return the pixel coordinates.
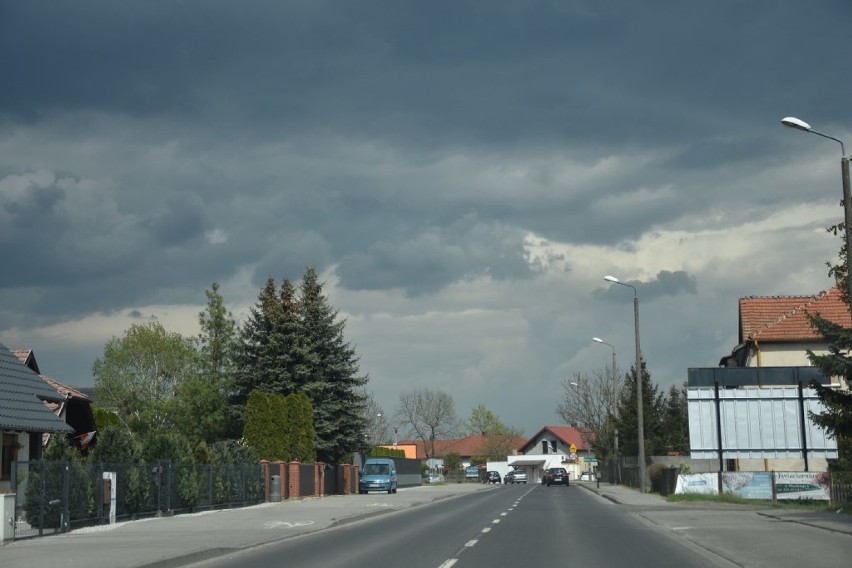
(378, 474)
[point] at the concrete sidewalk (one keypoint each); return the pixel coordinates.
(185, 539)
(840, 522)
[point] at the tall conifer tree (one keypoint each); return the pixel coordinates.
(330, 376)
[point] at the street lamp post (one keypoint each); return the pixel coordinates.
(639, 410)
(599, 340)
(609, 415)
(793, 122)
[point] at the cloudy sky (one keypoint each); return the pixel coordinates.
(462, 174)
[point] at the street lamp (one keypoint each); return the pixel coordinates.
(599, 340)
(639, 411)
(793, 122)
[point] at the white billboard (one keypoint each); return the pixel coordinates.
(756, 422)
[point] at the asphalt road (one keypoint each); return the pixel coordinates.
(459, 525)
(518, 525)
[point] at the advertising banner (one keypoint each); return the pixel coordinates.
(748, 484)
(802, 485)
(703, 483)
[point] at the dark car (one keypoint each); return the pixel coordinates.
(555, 476)
(509, 477)
(492, 477)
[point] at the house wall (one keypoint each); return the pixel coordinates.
(554, 446)
(786, 354)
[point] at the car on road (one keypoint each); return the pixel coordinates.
(508, 477)
(585, 476)
(555, 476)
(492, 477)
(378, 474)
(517, 476)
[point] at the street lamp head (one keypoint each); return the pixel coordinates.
(793, 122)
(598, 339)
(612, 279)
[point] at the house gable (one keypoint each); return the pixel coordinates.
(22, 398)
(562, 437)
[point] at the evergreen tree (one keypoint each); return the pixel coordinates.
(328, 375)
(675, 421)
(256, 355)
(218, 340)
(628, 428)
(837, 419)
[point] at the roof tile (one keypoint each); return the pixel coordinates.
(785, 318)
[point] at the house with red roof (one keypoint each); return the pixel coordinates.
(467, 448)
(774, 331)
(555, 446)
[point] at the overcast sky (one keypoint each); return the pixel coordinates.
(461, 174)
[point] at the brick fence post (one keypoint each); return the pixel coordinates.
(293, 479)
(264, 466)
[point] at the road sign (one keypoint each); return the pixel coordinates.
(590, 459)
(572, 456)
(572, 449)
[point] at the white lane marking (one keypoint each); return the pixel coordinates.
(495, 521)
(276, 524)
(448, 563)
(486, 529)
(471, 543)
(379, 505)
(503, 514)
(681, 528)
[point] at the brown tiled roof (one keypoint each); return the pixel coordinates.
(567, 434)
(784, 318)
(27, 357)
(466, 447)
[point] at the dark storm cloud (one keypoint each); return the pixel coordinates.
(462, 172)
(473, 72)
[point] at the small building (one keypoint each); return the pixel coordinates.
(752, 412)
(555, 446)
(24, 416)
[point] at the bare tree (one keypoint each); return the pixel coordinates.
(377, 422)
(428, 415)
(590, 403)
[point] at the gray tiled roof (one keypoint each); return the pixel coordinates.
(22, 393)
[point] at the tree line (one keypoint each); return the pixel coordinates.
(290, 352)
(603, 406)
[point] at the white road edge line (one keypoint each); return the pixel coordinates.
(448, 563)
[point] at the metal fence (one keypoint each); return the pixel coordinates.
(53, 496)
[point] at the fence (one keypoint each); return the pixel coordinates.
(54, 496)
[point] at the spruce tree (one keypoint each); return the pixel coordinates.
(218, 340)
(330, 375)
(256, 355)
(837, 419)
(628, 427)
